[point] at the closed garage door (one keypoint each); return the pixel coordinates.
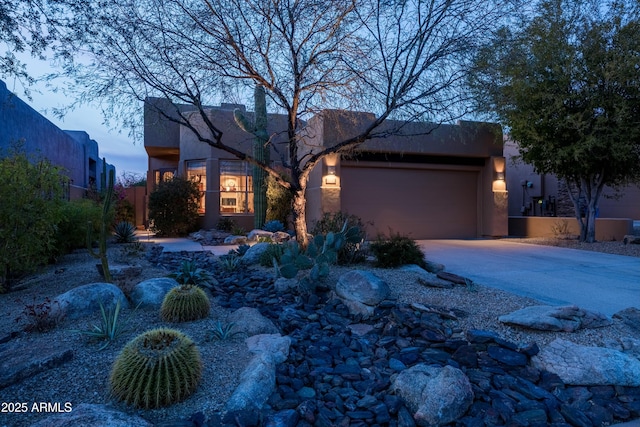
(420, 203)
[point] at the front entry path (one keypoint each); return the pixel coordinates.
(556, 276)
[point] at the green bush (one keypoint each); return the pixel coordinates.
(71, 232)
(397, 250)
(31, 191)
(278, 202)
(124, 232)
(173, 207)
(352, 252)
(226, 223)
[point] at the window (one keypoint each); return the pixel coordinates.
(163, 174)
(197, 172)
(236, 187)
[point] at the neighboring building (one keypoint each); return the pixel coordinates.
(431, 182)
(533, 194)
(72, 150)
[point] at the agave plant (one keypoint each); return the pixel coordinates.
(110, 326)
(124, 232)
(222, 332)
(191, 274)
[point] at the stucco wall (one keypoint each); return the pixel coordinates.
(71, 150)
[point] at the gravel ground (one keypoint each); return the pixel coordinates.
(85, 378)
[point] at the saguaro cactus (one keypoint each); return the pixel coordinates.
(101, 252)
(260, 152)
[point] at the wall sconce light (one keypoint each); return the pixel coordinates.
(331, 176)
(498, 185)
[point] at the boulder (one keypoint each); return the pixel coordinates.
(580, 365)
(235, 240)
(433, 267)
(434, 395)
(92, 415)
(119, 271)
(273, 347)
(248, 320)
(630, 317)
(258, 380)
(18, 361)
(631, 239)
(280, 236)
(256, 233)
(425, 278)
(548, 318)
(85, 300)
(363, 287)
(151, 292)
(253, 254)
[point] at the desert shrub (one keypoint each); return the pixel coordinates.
(40, 317)
(31, 191)
(274, 250)
(278, 202)
(332, 223)
(158, 368)
(71, 232)
(173, 207)
(397, 250)
(226, 223)
(273, 226)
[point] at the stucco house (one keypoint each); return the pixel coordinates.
(429, 181)
(74, 151)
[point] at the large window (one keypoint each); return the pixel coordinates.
(165, 174)
(236, 188)
(197, 172)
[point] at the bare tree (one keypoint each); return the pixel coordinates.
(401, 59)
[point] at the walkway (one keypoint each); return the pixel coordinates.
(592, 280)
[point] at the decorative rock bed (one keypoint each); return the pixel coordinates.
(350, 368)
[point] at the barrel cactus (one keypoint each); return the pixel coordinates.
(158, 368)
(185, 303)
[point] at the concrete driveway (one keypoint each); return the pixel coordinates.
(552, 275)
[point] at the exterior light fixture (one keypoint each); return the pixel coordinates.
(331, 176)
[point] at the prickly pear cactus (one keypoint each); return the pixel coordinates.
(321, 253)
(158, 368)
(185, 303)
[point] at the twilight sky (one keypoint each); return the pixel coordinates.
(118, 148)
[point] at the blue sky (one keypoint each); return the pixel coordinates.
(118, 148)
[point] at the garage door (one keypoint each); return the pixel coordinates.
(420, 203)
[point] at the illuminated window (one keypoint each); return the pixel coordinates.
(236, 187)
(197, 172)
(163, 175)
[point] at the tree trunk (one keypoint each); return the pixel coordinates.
(300, 216)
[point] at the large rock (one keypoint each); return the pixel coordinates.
(258, 380)
(18, 362)
(85, 300)
(425, 278)
(548, 318)
(235, 240)
(253, 254)
(434, 395)
(92, 415)
(151, 292)
(363, 287)
(248, 320)
(579, 365)
(256, 234)
(630, 317)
